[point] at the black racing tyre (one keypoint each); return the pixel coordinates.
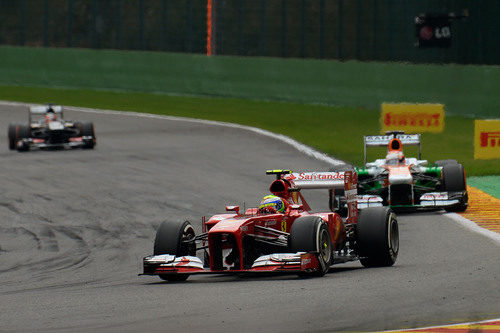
(377, 235)
(12, 135)
(170, 236)
(169, 240)
(445, 162)
(454, 181)
(22, 132)
(453, 177)
(311, 234)
(87, 129)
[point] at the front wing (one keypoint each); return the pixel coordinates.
(300, 262)
(427, 200)
(73, 142)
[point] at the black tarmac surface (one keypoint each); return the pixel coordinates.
(74, 226)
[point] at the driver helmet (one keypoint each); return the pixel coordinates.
(270, 203)
(395, 157)
(50, 115)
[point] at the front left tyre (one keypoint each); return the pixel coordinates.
(311, 234)
(454, 181)
(87, 129)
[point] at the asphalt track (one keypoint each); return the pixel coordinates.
(76, 224)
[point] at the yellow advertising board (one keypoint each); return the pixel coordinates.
(412, 118)
(486, 139)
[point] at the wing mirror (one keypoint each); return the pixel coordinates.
(235, 209)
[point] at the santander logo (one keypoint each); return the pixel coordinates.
(317, 176)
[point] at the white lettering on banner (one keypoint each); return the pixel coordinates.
(443, 32)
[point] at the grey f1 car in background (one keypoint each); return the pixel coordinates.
(409, 183)
(47, 129)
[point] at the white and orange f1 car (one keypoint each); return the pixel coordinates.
(282, 235)
(409, 183)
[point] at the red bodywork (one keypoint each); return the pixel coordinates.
(228, 232)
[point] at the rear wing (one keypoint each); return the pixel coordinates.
(317, 180)
(42, 109)
(384, 140)
(333, 181)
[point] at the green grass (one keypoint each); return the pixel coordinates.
(488, 184)
(337, 131)
(465, 90)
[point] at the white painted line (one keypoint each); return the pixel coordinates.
(283, 138)
(474, 227)
(442, 326)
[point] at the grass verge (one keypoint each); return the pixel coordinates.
(464, 89)
(338, 131)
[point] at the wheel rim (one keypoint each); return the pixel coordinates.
(324, 245)
(187, 234)
(394, 236)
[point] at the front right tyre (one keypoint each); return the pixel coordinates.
(174, 238)
(20, 132)
(12, 135)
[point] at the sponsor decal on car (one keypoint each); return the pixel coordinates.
(270, 223)
(315, 176)
(435, 196)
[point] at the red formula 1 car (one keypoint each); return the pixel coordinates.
(282, 235)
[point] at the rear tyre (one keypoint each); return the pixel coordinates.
(170, 239)
(445, 162)
(311, 234)
(454, 181)
(377, 237)
(22, 132)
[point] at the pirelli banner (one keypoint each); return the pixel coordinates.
(486, 139)
(412, 118)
